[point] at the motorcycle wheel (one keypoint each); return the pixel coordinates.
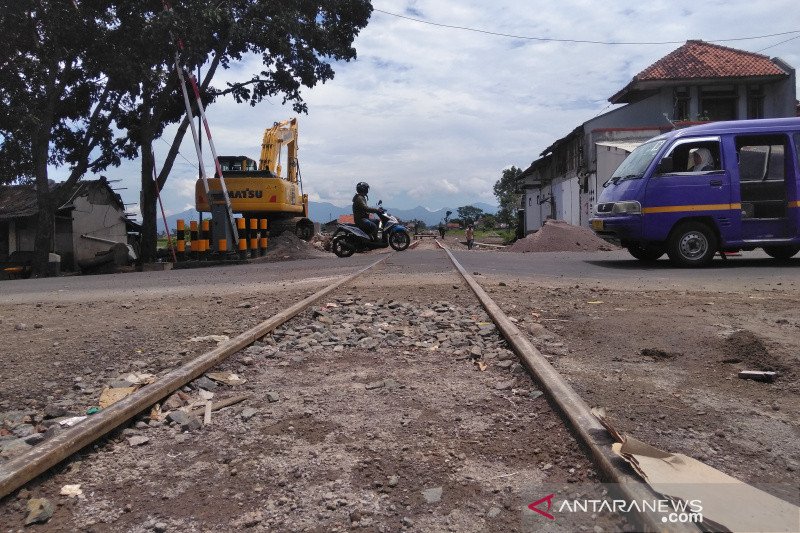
(341, 247)
(399, 240)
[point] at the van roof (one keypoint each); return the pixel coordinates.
(736, 126)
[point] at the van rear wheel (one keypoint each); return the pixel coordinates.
(781, 252)
(692, 244)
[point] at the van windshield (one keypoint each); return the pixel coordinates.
(635, 164)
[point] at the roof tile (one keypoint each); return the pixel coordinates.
(699, 59)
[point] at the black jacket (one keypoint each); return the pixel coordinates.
(360, 208)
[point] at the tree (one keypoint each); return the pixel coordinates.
(488, 222)
(296, 39)
(505, 190)
(57, 105)
(469, 213)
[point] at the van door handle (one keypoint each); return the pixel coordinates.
(715, 183)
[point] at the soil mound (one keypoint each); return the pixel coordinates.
(289, 247)
(745, 347)
(559, 236)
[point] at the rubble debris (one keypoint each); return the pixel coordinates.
(139, 378)
(758, 375)
(433, 495)
(248, 413)
(138, 440)
(40, 510)
(211, 338)
(71, 491)
(228, 378)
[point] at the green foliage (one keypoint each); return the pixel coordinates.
(469, 213)
(56, 99)
(505, 192)
(488, 222)
(419, 225)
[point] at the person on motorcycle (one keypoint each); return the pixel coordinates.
(361, 211)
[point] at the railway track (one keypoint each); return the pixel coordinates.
(590, 438)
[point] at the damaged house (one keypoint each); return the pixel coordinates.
(90, 222)
(697, 82)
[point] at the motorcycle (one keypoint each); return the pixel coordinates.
(349, 238)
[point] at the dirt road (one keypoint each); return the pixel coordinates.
(360, 412)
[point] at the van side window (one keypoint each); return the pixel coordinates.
(695, 157)
(761, 158)
(762, 172)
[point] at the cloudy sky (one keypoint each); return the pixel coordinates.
(430, 115)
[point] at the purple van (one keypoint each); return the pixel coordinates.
(718, 187)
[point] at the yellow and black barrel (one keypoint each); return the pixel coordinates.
(253, 237)
(180, 235)
(241, 228)
(205, 237)
(195, 239)
(262, 242)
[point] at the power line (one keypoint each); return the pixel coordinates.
(584, 41)
(179, 152)
(776, 44)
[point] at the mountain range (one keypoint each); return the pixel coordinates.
(324, 212)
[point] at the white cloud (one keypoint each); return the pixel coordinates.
(430, 115)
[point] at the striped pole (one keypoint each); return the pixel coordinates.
(195, 239)
(253, 237)
(181, 236)
(262, 244)
(205, 229)
(241, 228)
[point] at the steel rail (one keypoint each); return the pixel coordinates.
(19, 470)
(575, 412)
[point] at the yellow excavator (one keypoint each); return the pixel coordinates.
(262, 191)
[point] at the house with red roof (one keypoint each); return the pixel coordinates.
(697, 82)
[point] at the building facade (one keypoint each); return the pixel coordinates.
(697, 82)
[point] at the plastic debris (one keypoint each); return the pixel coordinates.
(71, 421)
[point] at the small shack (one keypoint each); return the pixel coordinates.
(91, 220)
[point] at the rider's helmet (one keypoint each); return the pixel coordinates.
(362, 188)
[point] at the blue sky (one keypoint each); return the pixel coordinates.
(430, 116)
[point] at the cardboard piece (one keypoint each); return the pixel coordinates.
(725, 500)
(111, 396)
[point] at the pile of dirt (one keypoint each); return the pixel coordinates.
(559, 236)
(745, 347)
(289, 247)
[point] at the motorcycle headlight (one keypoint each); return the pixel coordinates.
(627, 208)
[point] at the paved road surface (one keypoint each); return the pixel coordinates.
(753, 270)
